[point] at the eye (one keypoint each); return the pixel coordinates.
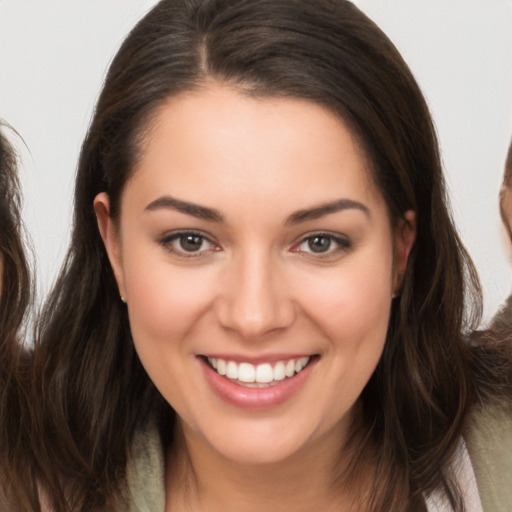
(188, 244)
(319, 243)
(322, 244)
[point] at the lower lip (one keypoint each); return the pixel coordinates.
(256, 398)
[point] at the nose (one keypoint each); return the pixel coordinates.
(254, 299)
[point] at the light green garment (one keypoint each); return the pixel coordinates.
(145, 473)
(489, 441)
(488, 438)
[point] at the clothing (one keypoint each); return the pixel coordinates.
(145, 473)
(465, 476)
(487, 437)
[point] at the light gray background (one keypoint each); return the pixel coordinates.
(54, 53)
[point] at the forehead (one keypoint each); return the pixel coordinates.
(216, 138)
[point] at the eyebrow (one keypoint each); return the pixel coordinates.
(325, 209)
(195, 210)
(212, 215)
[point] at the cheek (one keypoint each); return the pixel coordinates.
(506, 206)
(354, 303)
(352, 313)
(164, 301)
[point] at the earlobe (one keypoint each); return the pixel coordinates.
(405, 234)
(110, 237)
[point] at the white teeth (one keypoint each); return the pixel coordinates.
(260, 374)
(246, 372)
(232, 370)
(279, 371)
(264, 373)
(221, 366)
(303, 361)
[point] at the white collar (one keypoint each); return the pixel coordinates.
(462, 469)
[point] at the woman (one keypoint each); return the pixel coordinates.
(15, 294)
(490, 438)
(506, 194)
(263, 302)
(503, 320)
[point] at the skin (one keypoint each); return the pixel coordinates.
(506, 194)
(506, 207)
(256, 289)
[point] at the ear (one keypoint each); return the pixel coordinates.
(109, 234)
(405, 234)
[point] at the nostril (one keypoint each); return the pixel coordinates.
(253, 298)
(252, 322)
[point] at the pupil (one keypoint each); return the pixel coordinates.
(191, 243)
(319, 243)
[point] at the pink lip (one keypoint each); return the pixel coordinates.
(255, 398)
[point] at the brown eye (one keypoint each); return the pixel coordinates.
(319, 243)
(191, 242)
(188, 244)
(322, 245)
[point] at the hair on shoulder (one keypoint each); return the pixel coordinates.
(17, 483)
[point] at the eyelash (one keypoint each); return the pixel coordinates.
(336, 245)
(170, 241)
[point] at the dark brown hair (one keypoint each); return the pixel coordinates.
(96, 394)
(15, 297)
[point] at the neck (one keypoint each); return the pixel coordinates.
(200, 479)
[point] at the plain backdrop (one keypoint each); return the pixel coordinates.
(54, 54)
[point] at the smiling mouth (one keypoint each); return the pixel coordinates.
(261, 375)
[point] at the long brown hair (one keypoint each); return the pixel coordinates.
(95, 392)
(15, 297)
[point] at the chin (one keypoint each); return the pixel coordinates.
(260, 442)
(266, 452)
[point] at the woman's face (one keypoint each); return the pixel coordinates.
(506, 206)
(251, 243)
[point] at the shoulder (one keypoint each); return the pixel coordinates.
(488, 436)
(145, 472)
